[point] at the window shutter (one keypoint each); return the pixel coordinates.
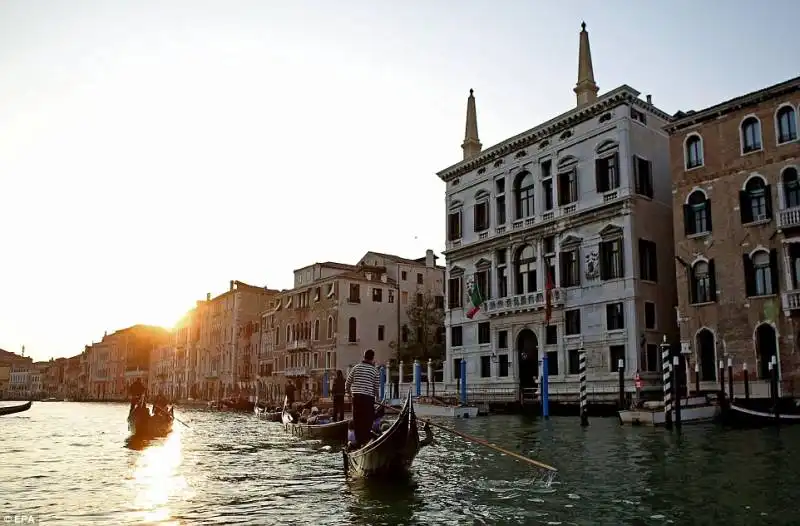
(654, 266)
(708, 214)
(562, 280)
(749, 275)
(636, 176)
(745, 210)
(603, 261)
(621, 258)
(616, 170)
(712, 280)
(768, 201)
(773, 266)
(688, 224)
(599, 180)
(692, 286)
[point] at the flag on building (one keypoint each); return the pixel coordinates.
(548, 301)
(475, 298)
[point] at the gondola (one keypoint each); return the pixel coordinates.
(143, 424)
(333, 432)
(393, 452)
(15, 409)
(735, 414)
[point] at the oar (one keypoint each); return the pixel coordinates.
(470, 438)
(181, 421)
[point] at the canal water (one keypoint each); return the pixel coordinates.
(68, 464)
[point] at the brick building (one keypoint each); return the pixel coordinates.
(736, 203)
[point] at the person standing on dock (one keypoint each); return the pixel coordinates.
(363, 384)
(338, 396)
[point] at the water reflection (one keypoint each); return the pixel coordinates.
(376, 497)
(155, 477)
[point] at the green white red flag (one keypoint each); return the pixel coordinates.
(475, 299)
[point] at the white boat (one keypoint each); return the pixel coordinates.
(451, 411)
(693, 409)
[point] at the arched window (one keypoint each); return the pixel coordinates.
(316, 330)
(755, 201)
(703, 281)
(352, 334)
(523, 195)
(330, 327)
(787, 124)
(791, 188)
(288, 333)
(751, 135)
(404, 334)
(761, 273)
(697, 214)
(694, 152)
(525, 270)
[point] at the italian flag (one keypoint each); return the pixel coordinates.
(475, 299)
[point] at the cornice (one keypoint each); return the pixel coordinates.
(732, 105)
(566, 120)
(604, 212)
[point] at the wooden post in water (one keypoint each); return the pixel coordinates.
(665, 379)
(722, 379)
(730, 378)
(400, 379)
(746, 381)
(582, 373)
(696, 378)
(775, 397)
(676, 363)
(621, 373)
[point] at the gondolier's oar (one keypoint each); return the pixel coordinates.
(181, 421)
(480, 441)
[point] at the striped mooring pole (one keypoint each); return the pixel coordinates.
(665, 374)
(582, 374)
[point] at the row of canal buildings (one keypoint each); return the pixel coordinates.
(637, 224)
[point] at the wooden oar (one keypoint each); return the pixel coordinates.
(484, 443)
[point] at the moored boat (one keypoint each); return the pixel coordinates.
(393, 452)
(760, 413)
(332, 432)
(10, 410)
(694, 409)
(144, 424)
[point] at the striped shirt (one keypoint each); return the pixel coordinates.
(363, 380)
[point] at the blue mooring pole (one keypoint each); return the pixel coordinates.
(545, 390)
(417, 378)
(325, 384)
(463, 381)
(383, 382)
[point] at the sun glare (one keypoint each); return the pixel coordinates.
(156, 479)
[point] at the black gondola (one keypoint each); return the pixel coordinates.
(143, 424)
(760, 414)
(333, 432)
(15, 408)
(393, 452)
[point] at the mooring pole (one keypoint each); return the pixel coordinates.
(730, 378)
(676, 363)
(697, 378)
(775, 398)
(544, 388)
(722, 378)
(665, 380)
(746, 376)
(582, 373)
(621, 374)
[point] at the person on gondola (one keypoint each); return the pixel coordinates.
(290, 389)
(338, 397)
(363, 384)
(376, 423)
(351, 435)
(136, 391)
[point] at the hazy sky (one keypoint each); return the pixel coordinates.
(152, 151)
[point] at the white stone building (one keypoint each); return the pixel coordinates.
(586, 197)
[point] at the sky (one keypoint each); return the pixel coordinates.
(152, 151)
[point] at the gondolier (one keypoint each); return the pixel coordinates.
(363, 384)
(136, 391)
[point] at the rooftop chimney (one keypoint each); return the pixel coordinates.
(650, 100)
(231, 285)
(430, 259)
(208, 296)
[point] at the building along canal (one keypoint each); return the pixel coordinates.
(68, 464)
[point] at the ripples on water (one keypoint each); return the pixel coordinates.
(69, 463)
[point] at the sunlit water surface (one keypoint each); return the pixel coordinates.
(69, 464)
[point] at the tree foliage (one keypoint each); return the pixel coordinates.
(424, 334)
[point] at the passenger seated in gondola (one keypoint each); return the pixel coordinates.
(377, 423)
(351, 435)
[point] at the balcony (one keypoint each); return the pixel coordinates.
(789, 218)
(791, 300)
(296, 371)
(523, 302)
(299, 345)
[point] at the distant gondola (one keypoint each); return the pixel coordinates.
(735, 415)
(333, 432)
(143, 424)
(15, 409)
(393, 452)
